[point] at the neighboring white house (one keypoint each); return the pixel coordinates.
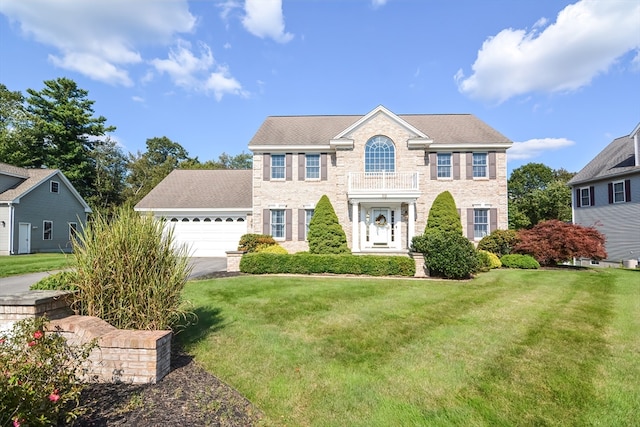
(606, 196)
(381, 172)
(209, 210)
(40, 211)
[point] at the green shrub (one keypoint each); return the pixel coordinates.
(130, 273)
(306, 263)
(519, 261)
(39, 375)
(251, 242)
(326, 235)
(447, 254)
(499, 242)
(443, 214)
(271, 249)
(487, 260)
(62, 281)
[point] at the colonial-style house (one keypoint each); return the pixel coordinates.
(381, 172)
(606, 195)
(40, 211)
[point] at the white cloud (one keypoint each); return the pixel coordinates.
(535, 147)
(194, 72)
(378, 3)
(264, 18)
(98, 38)
(586, 39)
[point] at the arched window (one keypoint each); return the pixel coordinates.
(379, 155)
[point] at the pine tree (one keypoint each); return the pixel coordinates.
(443, 215)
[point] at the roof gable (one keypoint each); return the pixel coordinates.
(32, 179)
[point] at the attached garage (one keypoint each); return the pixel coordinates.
(208, 210)
(208, 236)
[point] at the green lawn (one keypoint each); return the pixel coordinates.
(511, 347)
(23, 264)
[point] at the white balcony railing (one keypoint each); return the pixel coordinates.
(387, 182)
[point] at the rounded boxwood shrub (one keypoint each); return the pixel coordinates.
(487, 260)
(449, 255)
(271, 249)
(519, 261)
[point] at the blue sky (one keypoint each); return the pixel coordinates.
(559, 78)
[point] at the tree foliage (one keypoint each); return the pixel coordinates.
(552, 242)
(326, 235)
(443, 215)
(111, 171)
(499, 242)
(225, 161)
(538, 193)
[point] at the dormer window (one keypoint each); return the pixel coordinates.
(379, 155)
(54, 186)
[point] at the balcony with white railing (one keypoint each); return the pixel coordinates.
(383, 183)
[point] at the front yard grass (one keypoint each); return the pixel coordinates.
(512, 347)
(34, 263)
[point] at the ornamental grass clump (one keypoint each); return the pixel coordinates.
(40, 382)
(130, 273)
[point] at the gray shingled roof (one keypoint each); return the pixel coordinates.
(213, 189)
(32, 178)
(616, 159)
(319, 130)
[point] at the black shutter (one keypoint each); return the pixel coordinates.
(592, 196)
(627, 190)
(578, 202)
(610, 192)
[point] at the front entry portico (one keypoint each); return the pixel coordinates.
(382, 227)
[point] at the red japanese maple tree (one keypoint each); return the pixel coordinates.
(552, 242)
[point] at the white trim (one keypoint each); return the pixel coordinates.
(469, 146)
(262, 149)
(381, 110)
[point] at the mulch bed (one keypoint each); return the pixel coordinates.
(187, 396)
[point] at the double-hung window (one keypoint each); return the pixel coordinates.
(585, 197)
(277, 223)
(47, 230)
(618, 192)
(312, 166)
(444, 165)
(479, 165)
(480, 223)
(277, 166)
(73, 230)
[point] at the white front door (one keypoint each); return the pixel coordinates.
(24, 238)
(380, 227)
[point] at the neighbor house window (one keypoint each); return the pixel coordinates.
(379, 155)
(312, 166)
(585, 197)
(55, 187)
(277, 166)
(47, 230)
(480, 223)
(479, 165)
(618, 192)
(277, 223)
(73, 230)
(444, 165)
(308, 214)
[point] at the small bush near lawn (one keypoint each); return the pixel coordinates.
(519, 261)
(251, 242)
(39, 375)
(272, 249)
(447, 254)
(62, 281)
(487, 260)
(306, 263)
(499, 242)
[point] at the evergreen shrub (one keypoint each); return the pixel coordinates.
(250, 242)
(326, 235)
(519, 261)
(499, 242)
(443, 214)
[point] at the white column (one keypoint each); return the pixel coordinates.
(411, 222)
(355, 229)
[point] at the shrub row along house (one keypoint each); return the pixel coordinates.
(40, 211)
(381, 172)
(606, 196)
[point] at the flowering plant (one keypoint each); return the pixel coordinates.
(39, 375)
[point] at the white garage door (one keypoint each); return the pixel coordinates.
(208, 236)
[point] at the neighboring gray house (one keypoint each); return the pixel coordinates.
(606, 195)
(39, 211)
(209, 210)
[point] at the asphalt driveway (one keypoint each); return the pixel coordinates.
(16, 284)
